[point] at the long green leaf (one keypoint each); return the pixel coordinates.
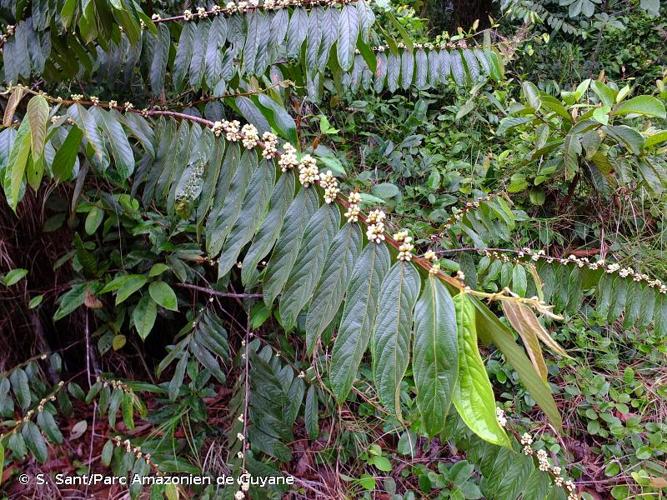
(253, 209)
(390, 344)
(358, 318)
(16, 165)
(473, 395)
(333, 283)
(268, 232)
(435, 361)
(309, 263)
(288, 244)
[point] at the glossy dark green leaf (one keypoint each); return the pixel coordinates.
(473, 396)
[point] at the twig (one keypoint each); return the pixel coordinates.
(217, 293)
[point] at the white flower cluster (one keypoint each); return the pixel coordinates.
(269, 145)
(470, 205)
(330, 185)
(353, 210)
(375, 229)
(95, 100)
(545, 466)
(405, 246)
(231, 129)
(76, 97)
(584, 262)
(137, 452)
(500, 416)
(308, 172)
(432, 258)
(250, 5)
(288, 159)
(249, 136)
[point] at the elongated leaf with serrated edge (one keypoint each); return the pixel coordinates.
(296, 31)
(267, 234)
(514, 315)
(333, 283)
(407, 69)
(217, 35)
(221, 222)
(158, 66)
(288, 244)
(120, 146)
(88, 125)
(435, 354)
(348, 32)
(393, 71)
(358, 318)
(314, 38)
(253, 210)
(308, 266)
(390, 344)
(183, 54)
(473, 396)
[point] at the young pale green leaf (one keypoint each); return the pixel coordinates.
(93, 219)
(643, 105)
(309, 263)
(131, 284)
(16, 166)
(532, 95)
(38, 116)
(473, 396)
(435, 362)
(14, 276)
(390, 343)
(70, 301)
(143, 316)
(63, 162)
(163, 295)
(287, 247)
(333, 283)
(358, 318)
